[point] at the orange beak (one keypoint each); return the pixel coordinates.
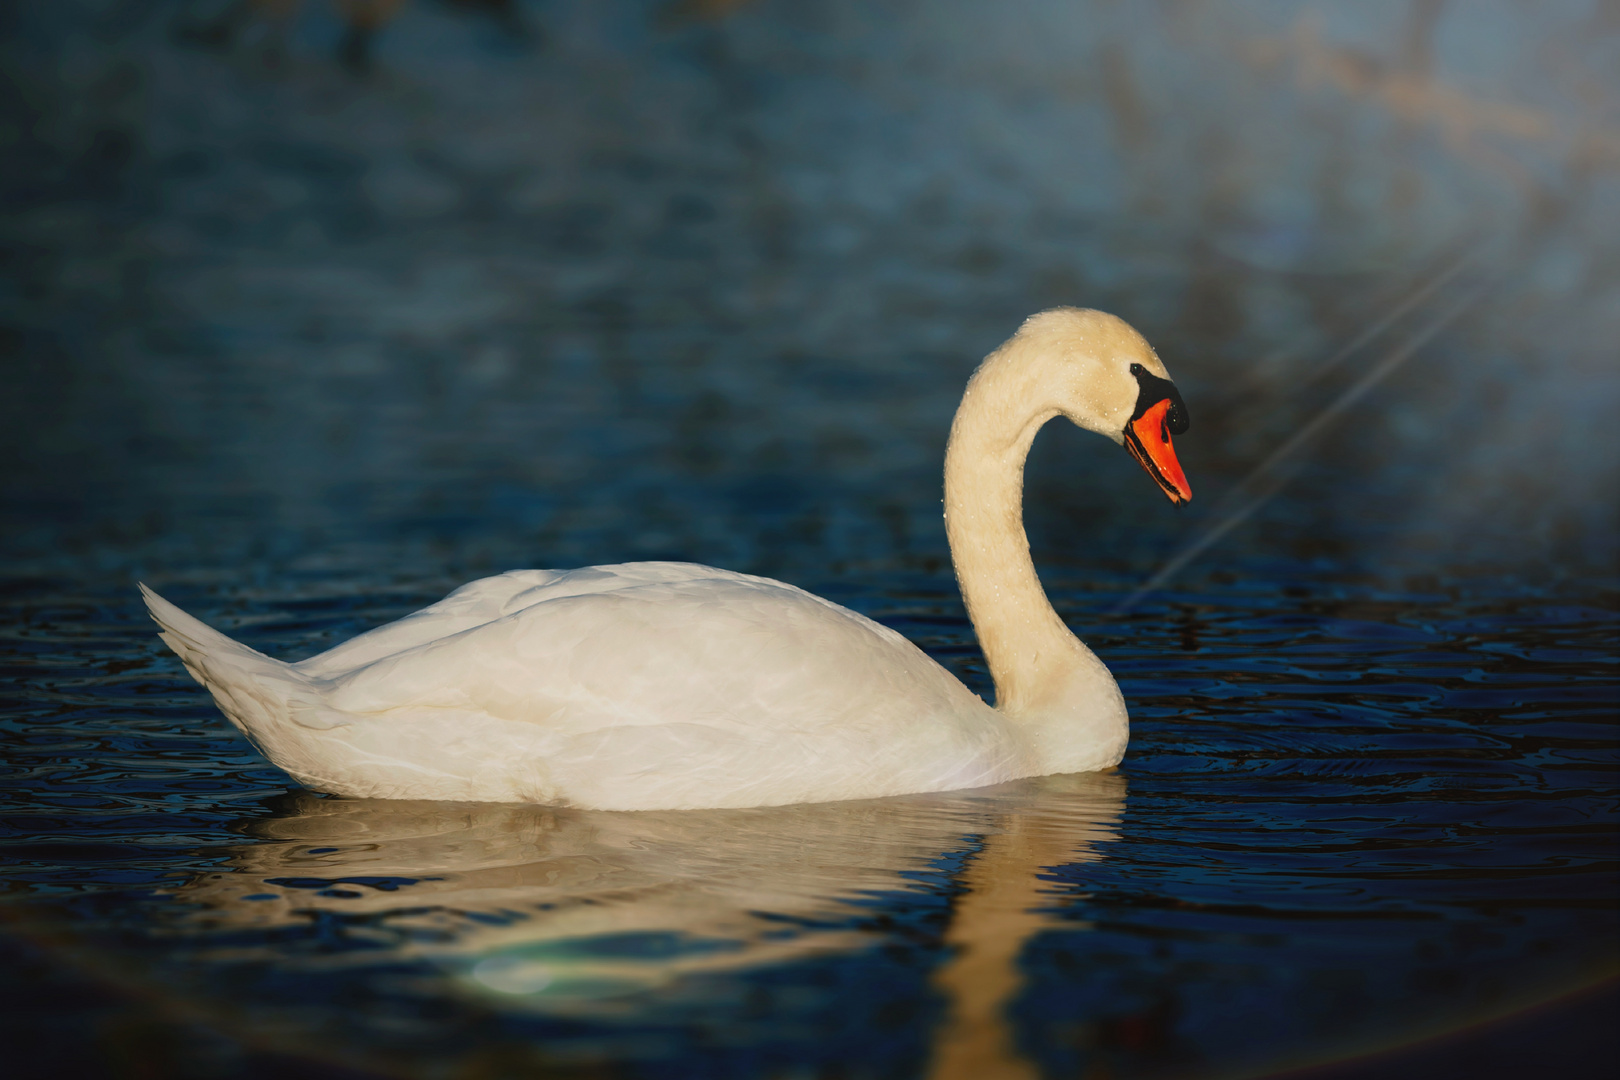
(1148, 439)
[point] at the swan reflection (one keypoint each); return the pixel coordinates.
(589, 912)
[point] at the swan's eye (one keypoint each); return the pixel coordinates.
(1153, 390)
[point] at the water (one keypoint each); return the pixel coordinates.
(305, 350)
(1347, 819)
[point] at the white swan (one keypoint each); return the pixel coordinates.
(673, 686)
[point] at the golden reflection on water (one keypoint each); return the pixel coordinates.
(998, 913)
(515, 903)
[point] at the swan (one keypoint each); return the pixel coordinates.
(667, 686)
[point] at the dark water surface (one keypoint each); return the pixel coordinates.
(304, 349)
(1347, 819)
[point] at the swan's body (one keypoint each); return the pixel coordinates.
(615, 687)
(670, 685)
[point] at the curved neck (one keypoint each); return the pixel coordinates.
(1030, 652)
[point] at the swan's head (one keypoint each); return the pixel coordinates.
(1104, 376)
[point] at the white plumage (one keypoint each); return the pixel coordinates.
(614, 687)
(671, 685)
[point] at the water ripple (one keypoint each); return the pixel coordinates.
(1337, 820)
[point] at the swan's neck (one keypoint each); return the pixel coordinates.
(1044, 676)
(1022, 637)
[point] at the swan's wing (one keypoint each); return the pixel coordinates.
(718, 650)
(488, 599)
(661, 686)
(473, 604)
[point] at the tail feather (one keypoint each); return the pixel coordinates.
(257, 693)
(199, 645)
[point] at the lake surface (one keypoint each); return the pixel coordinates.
(304, 349)
(1347, 819)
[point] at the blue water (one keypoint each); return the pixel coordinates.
(1347, 818)
(304, 349)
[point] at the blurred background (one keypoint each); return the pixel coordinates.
(446, 287)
